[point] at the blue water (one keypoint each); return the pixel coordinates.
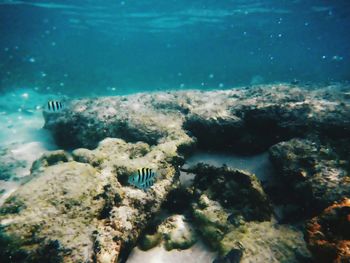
(118, 47)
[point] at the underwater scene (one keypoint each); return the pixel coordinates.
(174, 131)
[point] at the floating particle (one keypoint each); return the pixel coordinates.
(279, 35)
(53, 44)
(211, 76)
(179, 74)
(61, 84)
(6, 49)
(202, 84)
(182, 85)
(323, 57)
(65, 75)
(32, 60)
(306, 23)
(43, 74)
(25, 95)
(337, 58)
(221, 85)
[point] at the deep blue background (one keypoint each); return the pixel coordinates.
(104, 47)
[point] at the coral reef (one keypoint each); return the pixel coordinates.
(328, 234)
(79, 207)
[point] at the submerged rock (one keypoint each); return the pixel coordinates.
(315, 174)
(54, 213)
(328, 235)
(240, 228)
(174, 232)
(266, 242)
(239, 192)
(242, 120)
(211, 220)
(85, 211)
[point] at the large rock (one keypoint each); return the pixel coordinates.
(266, 242)
(241, 120)
(233, 214)
(84, 210)
(51, 218)
(239, 192)
(315, 174)
(328, 234)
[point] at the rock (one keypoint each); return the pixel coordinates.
(50, 158)
(235, 120)
(266, 242)
(234, 256)
(54, 213)
(314, 173)
(177, 233)
(328, 235)
(80, 211)
(133, 118)
(211, 220)
(237, 191)
(149, 241)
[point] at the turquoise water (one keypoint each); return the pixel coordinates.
(120, 47)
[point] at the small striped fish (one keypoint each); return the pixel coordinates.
(143, 179)
(54, 105)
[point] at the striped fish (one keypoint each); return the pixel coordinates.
(143, 179)
(54, 105)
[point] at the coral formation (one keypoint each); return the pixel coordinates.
(328, 234)
(79, 207)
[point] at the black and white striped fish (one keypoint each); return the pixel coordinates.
(143, 179)
(54, 105)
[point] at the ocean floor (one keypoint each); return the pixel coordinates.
(22, 137)
(199, 252)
